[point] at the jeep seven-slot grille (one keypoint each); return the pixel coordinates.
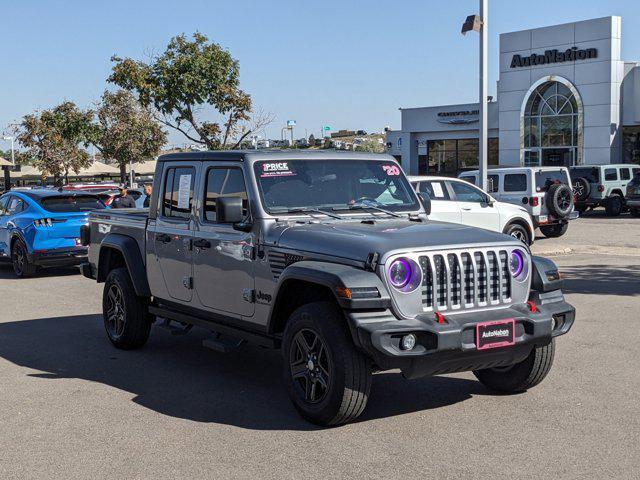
(465, 280)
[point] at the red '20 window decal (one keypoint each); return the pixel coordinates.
(391, 170)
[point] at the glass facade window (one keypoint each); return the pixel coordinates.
(449, 157)
(552, 126)
(631, 144)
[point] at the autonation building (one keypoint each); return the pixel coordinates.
(565, 97)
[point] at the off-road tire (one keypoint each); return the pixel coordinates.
(559, 199)
(521, 376)
(554, 231)
(133, 330)
(613, 205)
(635, 212)
(349, 378)
(519, 232)
(581, 188)
(22, 267)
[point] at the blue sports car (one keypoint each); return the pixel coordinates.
(41, 228)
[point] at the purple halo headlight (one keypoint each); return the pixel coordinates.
(516, 263)
(400, 273)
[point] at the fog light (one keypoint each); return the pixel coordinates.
(408, 342)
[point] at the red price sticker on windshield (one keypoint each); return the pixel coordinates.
(391, 170)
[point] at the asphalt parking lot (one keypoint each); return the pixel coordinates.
(71, 406)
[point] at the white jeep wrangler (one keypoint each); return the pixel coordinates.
(545, 192)
(602, 186)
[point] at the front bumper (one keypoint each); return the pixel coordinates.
(60, 257)
(451, 347)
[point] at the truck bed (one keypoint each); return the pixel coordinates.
(131, 222)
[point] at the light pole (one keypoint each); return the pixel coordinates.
(480, 24)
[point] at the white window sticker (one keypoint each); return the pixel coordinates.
(437, 190)
(184, 192)
(276, 169)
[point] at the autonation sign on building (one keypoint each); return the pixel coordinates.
(564, 97)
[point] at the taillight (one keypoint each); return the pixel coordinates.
(534, 201)
(601, 188)
(43, 222)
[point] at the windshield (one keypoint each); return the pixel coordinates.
(333, 185)
(71, 203)
(591, 174)
(546, 178)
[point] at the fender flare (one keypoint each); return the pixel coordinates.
(337, 278)
(128, 248)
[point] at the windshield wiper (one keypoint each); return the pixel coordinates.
(365, 207)
(310, 210)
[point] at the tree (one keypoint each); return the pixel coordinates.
(312, 140)
(189, 76)
(126, 131)
(54, 139)
(371, 145)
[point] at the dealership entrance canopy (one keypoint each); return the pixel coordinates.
(564, 98)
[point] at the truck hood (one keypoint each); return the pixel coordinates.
(355, 240)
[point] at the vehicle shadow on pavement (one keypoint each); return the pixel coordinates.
(602, 279)
(6, 272)
(176, 376)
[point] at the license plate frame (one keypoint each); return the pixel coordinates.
(496, 340)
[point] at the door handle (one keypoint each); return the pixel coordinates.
(163, 237)
(202, 243)
(466, 209)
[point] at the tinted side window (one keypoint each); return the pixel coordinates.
(470, 179)
(223, 182)
(515, 182)
(625, 174)
(177, 198)
(15, 206)
(435, 190)
(466, 193)
(610, 174)
(3, 205)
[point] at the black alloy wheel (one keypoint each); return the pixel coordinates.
(20, 260)
(115, 314)
(310, 365)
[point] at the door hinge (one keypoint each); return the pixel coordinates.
(187, 282)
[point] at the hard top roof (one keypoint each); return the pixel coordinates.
(254, 155)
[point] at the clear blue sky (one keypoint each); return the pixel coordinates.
(344, 63)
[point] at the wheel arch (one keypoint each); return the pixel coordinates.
(117, 250)
(309, 281)
(523, 223)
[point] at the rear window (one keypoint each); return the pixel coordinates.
(591, 174)
(546, 178)
(71, 203)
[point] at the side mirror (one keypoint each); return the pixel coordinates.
(489, 201)
(426, 201)
(229, 210)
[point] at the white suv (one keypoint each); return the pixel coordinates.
(457, 201)
(602, 186)
(545, 192)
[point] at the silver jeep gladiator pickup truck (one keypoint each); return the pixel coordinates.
(330, 257)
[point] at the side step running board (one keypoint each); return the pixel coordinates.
(214, 326)
(220, 344)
